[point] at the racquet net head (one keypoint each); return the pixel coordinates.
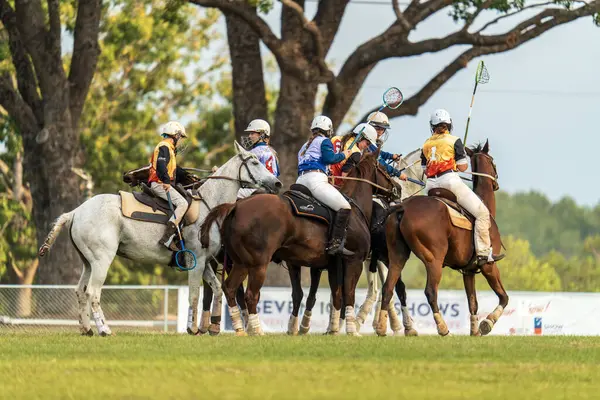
(392, 98)
(482, 76)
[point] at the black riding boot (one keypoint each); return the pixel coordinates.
(338, 234)
(168, 239)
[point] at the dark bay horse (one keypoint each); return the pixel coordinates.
(422, 225)
(263, 227)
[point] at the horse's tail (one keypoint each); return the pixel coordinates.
(393, 233)
(217, 215)
(66, 218)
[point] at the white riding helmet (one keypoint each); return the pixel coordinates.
(379, 120)
(369, 133)
(172, 128)
(440, 116)
(323, 123)
(260, 126)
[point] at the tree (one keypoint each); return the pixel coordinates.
(147, 73)
(302, 48)
(46, 108)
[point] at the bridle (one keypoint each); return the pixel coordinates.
(494, 177)
(252, 184)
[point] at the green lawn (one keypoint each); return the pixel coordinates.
(141, 366)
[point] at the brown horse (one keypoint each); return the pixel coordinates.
(422, 225)
(264, 227)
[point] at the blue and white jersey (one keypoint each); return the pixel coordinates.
(318, 155)
(266, 157)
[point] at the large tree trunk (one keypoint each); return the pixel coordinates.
(295, 111)
(249, 99)
(55, 188)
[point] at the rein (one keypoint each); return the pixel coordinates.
(480, 174)
(361, 180)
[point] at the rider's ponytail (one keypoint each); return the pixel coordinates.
(316, 132)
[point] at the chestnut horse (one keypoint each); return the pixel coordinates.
(263, 227)
(422, 225)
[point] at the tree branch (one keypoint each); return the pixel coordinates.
(26, 80)
(519, 35)
(253, 20)
(44, 53)
(85, 54)
(328, 19)
(54, 16)
(420, 12)
(16, 107)
(486, 4)
(495, 21)
(400, 16)
(315, 32)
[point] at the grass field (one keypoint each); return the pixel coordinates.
(142, 366)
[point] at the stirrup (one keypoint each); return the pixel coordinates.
(336, 247)
(482, 260)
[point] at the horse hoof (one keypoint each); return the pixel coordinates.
(88, 333)
(105, 334)
(355, 334)
(380, 333)
(191, 332)
(332, 333)
(486, 326)
(241, 333)
(304, 330)
(411, 332)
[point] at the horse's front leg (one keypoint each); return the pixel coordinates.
(297, 294)
(194, 279)
(367, 306)
(315, 278)
(256, 279)
(469, 281)
(233, 281)
(492, 275)
(352, 275)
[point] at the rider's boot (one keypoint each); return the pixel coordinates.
(168, 239)
(338, 234)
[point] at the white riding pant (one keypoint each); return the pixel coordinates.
(243, 193)
(320, 188)
(179, 203)
(473, 204)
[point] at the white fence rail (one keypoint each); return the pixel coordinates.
(165, 308)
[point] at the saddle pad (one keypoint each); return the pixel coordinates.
(459, 220)
(308, 207)
(131, 208)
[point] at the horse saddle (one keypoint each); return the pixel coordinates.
(459, 216)
(305, 205)
(145, 206)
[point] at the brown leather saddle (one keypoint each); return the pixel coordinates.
(449, 198)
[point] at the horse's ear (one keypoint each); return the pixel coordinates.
(469, 152)
(238, 148)
(486, 146)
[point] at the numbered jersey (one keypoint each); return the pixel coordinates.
(267, 157)
(441, 152)
(336, 169)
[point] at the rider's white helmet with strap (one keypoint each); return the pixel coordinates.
(368, 133)
(379, 120)
(440, 116)
(172, 128)
(259, 126)
(323, 123)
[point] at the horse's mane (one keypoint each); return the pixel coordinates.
(362, 170)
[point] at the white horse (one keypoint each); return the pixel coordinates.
(99, 231)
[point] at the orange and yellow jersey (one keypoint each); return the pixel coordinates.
(336, 169)
(163, 163)
(441, 153)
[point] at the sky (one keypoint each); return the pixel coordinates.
(538, 110)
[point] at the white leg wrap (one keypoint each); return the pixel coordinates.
(236, 319)
(293, 326)
(100, 325)
(351, 322)
(376, 315)
(334, 321)
(305, 325)
(407, 321)
(441, 324)
(190, 319)
(395, 323)
(381, 328)
(204, 322)
(254, 327)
